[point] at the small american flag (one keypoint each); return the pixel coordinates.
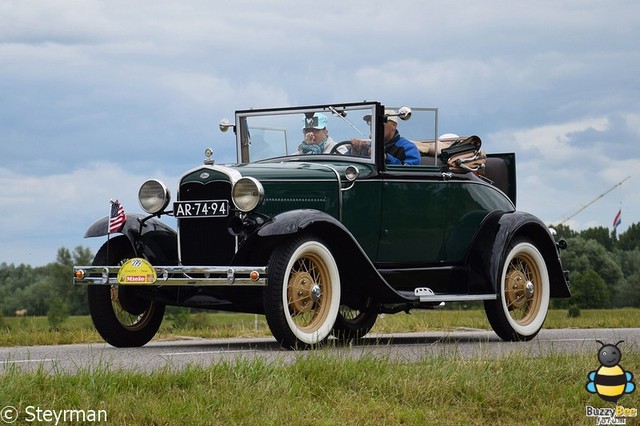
(116, 217)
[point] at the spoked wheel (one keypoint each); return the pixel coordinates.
(353, 323)
(523, 293)
(120, 315)
(303, 296)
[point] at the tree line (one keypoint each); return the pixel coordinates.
(604, 273)
(44, 290)
(604, 267)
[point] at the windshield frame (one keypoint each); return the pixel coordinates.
(344, 118)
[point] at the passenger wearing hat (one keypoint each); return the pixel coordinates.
(398, 150)
(316, 136)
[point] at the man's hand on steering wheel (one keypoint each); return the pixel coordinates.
(334, 150)
(361, 147)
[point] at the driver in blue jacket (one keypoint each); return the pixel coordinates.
(398, 150)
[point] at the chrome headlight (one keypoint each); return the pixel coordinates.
(247, 194)
(154, 196)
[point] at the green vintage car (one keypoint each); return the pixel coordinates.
(321, 228)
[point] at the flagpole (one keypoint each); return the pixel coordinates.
(566, 218)
(109, 228)
(115, 221)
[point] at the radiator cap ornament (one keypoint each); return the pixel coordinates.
(208, 154)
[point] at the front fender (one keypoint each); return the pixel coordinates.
(490, 248)
(151, 239)
(294, 221)
(359, 276)
(257, 246)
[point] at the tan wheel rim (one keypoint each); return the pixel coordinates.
(127, 320)
(522, 289)
(309, 292)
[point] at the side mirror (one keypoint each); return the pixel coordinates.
(225, 124)
(404, 113)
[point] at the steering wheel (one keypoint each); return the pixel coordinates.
(340, 144)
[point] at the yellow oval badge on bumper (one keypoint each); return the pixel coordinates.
(136, 271)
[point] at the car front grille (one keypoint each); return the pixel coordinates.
(205, 241)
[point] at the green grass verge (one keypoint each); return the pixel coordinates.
(323, 389)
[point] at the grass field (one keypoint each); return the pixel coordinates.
(320, 388)
(36, 331)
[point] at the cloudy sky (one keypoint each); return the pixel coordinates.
(97, 96)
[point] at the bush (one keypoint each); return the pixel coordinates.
(178, 316)
(57, 314)
(573, 312)
(589, 290)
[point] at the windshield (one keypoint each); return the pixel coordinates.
(307, 131)
(340, 130)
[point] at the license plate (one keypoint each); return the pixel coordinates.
(205, 208)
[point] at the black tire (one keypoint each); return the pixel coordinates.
(353, 324)
(122, 318)
(302, 298)
(523, 293)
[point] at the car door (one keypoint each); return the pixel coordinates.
(413, 216)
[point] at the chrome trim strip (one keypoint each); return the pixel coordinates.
(457, 297)
(340, 197)
(178, 276)
(234, 175)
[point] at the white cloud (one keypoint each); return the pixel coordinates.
(57, 209)
(562, 177)
(552, 142)
(632, 121)
(63, 20)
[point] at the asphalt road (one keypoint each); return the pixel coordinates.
(407, 346)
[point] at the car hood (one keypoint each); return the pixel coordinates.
(292, 171)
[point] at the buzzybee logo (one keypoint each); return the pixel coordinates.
(610, 381)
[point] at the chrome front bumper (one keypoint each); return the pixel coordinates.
(177, 276)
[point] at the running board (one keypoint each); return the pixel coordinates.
(427, 295)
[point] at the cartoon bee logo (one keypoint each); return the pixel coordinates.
(610, 381)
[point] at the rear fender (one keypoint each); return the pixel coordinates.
(490, 247)
(150, 239)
